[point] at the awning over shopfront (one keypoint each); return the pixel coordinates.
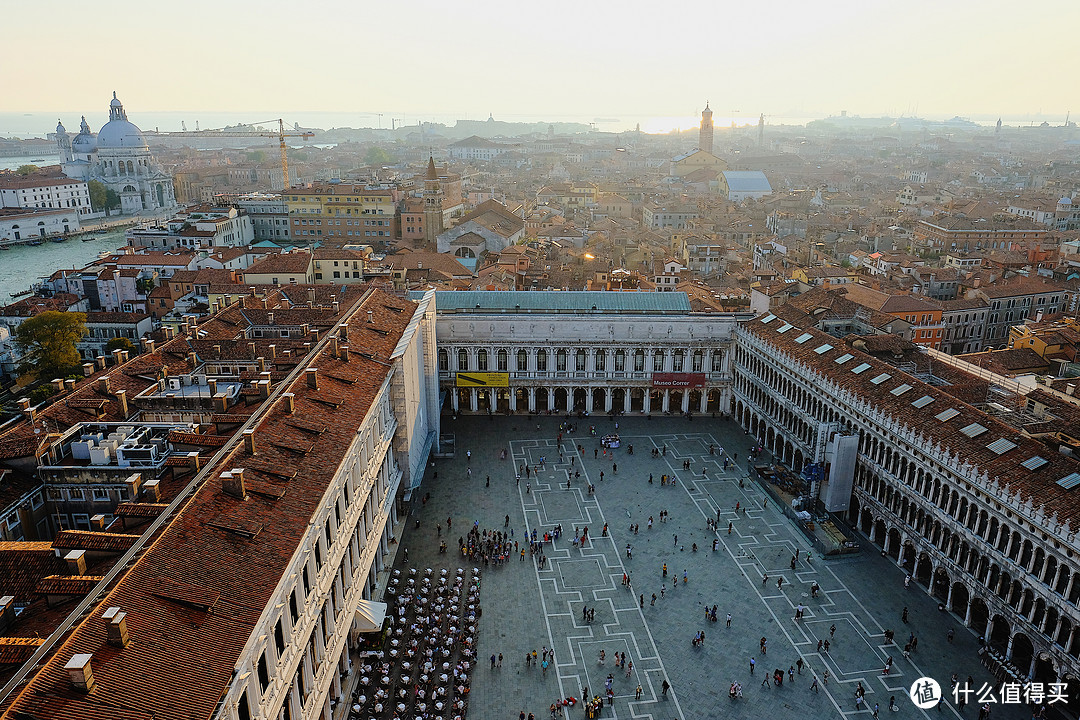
(370, 616)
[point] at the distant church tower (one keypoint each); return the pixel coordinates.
(761, 130)
(705, 134)
(433, 204)
(997, 128)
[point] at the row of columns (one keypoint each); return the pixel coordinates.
(665, 405)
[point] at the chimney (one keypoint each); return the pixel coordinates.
(333, 348)
(185, 327)
(116, 625)
(242, 302)
(161, 384)
(97, 522)
(269, 318)
(103, 384)
(1070, 389)
(251, 348)
(312, 378)
(170, 332)
(344, 353)
(78, 670)
(99, 361)
(148, 345)
(7, 612)
(249, 441)
(133, 482)
(121, 398)
(261, 362)
(193, 461)
(88, 369)
(314, 336)
(343, 332)
(273, 351)
(371, 316)
(264, 388)
(76, 562)
(232, 482)
(217, 351)
(193, 359)
(337, 306)
(286, 353)
(221, 402)
(164, 371)
(304, 329)
(58, 384)
(124, 356)
(290, 402)
(69, 384)
(213, 386)
(152, 490)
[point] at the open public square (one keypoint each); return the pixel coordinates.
(598, 595)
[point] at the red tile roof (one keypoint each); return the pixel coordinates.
(221, 552)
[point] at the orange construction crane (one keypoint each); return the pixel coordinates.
(280, 134)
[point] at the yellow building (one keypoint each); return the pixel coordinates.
(338, 214)
(695, 160)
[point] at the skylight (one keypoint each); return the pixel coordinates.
(803, 338)
(898, 391)
(973, 430)
(768, 319)
(861, 368)
(880, 378)
(1001, 446)
(923, 401)
(784, 328)
(1034, 463)
(947, 414)
(843, 358)
(822, 349)
(1069, 481)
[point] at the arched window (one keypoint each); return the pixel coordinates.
(481, 360)
(699, 360)
(541, 360)
(677, 361)
(601, 360)
(579, 361)
(444, 361)
(502, 359)
(620, 360)
(560, 360)
(131, 168)
(658, 361)
(717, 361)
(462, 360)
(522, 361)
(639, 360)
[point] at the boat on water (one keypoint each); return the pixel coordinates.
(89, 239)
(35, 243)
(21, 294)
(59, 239)
(4, 247)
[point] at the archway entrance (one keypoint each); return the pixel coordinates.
(1022, 653)
(483, 400)
(894, 544)
(675, 398)
(579, 399)
(618, 399)
(502, 400)
(656, 401)
(1044, 669)
(560, 399)
(999, 634)
(959, 599)
(941, 585)
(979, 616)
(542, 395)
(695, 401)
(599, 400)
(637, 400)
(713, 403)
(522, 396)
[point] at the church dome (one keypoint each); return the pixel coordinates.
(60, 130)
(118, 132)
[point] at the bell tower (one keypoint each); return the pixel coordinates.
(705, 135)
(433, 204)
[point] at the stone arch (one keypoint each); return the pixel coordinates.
(941, 585)
(959, 599)
(894, 544)
(980, 616)
(1023, 652)
(924, 569)
(999, 632)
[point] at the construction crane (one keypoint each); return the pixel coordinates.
(280, 134)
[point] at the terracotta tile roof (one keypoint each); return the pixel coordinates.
(222, 552)
(94, 541)
(1039, 487)
(24, 564)
(67, 584)
(17, 650)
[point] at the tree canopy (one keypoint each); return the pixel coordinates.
(48, 341)
(378, 156)
(26, 169)
(119, 343)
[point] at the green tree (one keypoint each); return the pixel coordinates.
(144, 285)
(26, 169)
(119, 343)
(256, 156)
(48, 341)
(42, 393)
(378, 156)
(99, 194)
(112, 200)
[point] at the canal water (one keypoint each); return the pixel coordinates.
(22, 265)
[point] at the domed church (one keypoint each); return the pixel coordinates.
(119, 158)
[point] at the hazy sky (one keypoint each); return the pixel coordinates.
(551, 58)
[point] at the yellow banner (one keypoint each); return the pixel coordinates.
(483, 379)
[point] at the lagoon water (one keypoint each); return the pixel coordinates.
(21, 266)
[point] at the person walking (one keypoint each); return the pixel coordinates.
(799, 664)
(727, 623)
(903, 615)
(753, 662)
(664, 687)
(832, 629)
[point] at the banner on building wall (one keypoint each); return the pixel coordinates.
(677, 381)
(483, 379)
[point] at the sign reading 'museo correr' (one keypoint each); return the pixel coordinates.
(678, 380)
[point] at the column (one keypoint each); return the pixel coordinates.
(948, 599)
(492, 400)
(513, 399)
(967, 613)
(551, 399)
(667, 401)
(473, 404)
(704, 404)
(588, 400)
(454, 397)
(647, 406)
(569, 400)
(626, 401)
(532, 399)
(607, 400)
(686, 401)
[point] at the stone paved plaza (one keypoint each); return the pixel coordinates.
(526, 608)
